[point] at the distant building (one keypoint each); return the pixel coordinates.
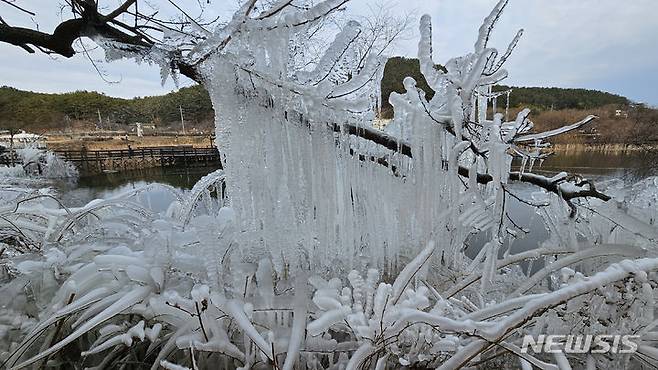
(21, 140)
(621, 113)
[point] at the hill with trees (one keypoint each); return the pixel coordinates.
(560, 98)
(539, 98)
(40, 111)
(58, 112)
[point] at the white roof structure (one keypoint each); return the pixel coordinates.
(20, 139)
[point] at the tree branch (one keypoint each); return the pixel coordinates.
(558, 185)
(121, 9)
(18, 7)
(59, 42)
(90, 24)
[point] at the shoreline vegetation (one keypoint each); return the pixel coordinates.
(603, 148)
(115, 141)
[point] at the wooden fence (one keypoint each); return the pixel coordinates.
(94, 161)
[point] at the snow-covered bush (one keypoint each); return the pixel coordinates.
(11, 171)
(57, 167)
(40, 162)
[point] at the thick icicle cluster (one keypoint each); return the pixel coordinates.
(313, 185)
(307, 189)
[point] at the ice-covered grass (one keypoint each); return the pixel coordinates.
(11, 171)
(124, 284)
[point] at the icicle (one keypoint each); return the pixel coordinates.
(494, 103)
(489, 265)
(507, 106)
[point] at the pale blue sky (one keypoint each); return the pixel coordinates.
(607, 45)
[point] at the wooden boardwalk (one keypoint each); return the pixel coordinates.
(95, 161)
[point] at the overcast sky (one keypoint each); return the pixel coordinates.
(608, 45)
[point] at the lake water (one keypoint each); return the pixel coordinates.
(110, 184)
(630, 166)
(599, 166)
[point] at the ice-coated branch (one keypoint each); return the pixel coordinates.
(488, 25)
(298, 329)
(334, 54)
(507, 261)
(425, 52)
(510, 49)
(274, 9)
(565, 189)
(559, 184)
(316, 12)
(597, 251)
(615, 272)
(221, 37)
(555, 132)
(121, 303)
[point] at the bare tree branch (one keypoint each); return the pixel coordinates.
(11, 3)
(121, 9)
(90, 23)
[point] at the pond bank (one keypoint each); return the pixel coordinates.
(606, 148)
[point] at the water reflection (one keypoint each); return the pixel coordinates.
(110, 184)
(629, 166)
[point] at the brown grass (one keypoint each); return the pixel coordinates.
(633, 127)
(113, 142)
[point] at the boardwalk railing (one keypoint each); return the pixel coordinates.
(8, 158)
(120, 159)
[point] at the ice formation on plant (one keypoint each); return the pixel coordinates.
(39, 162)
(132, 285)
(312, 182)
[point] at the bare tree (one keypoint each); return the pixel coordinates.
(381, 29)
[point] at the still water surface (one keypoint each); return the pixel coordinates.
(109, 184)
(599, 166)
(630, 166)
